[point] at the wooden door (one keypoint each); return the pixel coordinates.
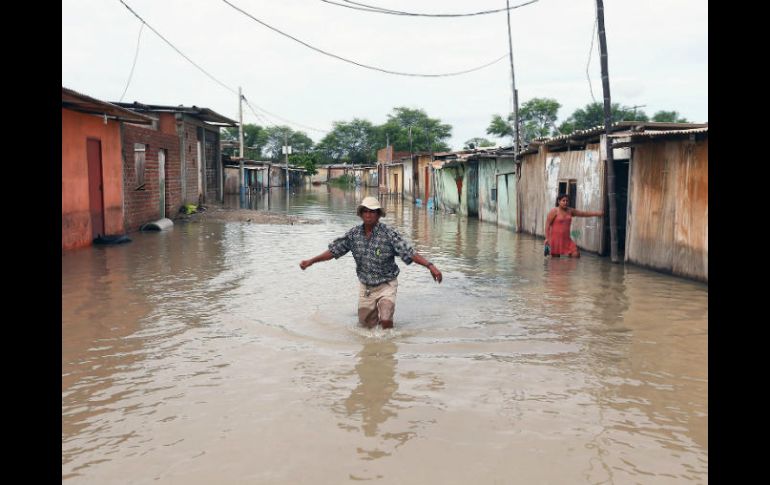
(95, 186)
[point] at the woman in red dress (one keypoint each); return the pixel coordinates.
(557, 227)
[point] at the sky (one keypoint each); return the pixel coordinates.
(657, 55)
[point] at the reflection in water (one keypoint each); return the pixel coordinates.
(204, 355)
(376, 369)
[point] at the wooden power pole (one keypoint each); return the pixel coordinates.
(611, 196)
(514, 93)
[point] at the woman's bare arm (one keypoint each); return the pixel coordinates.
(577, 213)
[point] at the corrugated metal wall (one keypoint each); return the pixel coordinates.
(532, 183)
(583, 166)
(668, 207)
(539, 187)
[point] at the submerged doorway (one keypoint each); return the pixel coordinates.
(621, 190)
(95, 186)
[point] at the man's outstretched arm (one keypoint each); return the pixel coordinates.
(431, 267)
(324, 256)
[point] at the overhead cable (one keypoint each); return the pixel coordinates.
(178, 51)
(281, 118)
(594, 33)
(194, 64)
(136, 56)
(373, 8)
(397, 73)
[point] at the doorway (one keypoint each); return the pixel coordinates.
(162, 181)
(621, 195)
(95, 186)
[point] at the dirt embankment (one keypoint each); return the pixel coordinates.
(219, 213)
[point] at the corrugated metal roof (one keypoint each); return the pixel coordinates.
(204, 114)
(86, 104)
(649, 134)
(634, 126)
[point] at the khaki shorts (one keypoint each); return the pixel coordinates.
(376, 303)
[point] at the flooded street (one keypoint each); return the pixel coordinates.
(205, 355)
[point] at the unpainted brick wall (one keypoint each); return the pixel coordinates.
(143, 205)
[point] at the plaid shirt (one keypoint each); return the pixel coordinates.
(375, 257)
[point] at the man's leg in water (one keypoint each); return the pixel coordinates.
(367, 307)
(386, 304)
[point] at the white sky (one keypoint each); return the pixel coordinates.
(658, 57)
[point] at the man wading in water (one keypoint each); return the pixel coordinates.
(374, 246)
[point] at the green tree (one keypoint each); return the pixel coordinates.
(427, 134)
(276, 137)
(309, 161)
(254, 139)
(353, 141)
(478, 142)
(593, 115)
(537, 118)
(500, 127)
(669, 116)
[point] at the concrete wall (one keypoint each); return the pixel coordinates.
(395, 172)
(335, 173)
(449, 194)
(408, 185)
(76, 214)
(424, 162)
(507, 201)
(488, 168)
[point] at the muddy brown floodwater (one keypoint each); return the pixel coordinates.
(203, 354)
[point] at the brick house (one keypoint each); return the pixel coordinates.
(185, 143)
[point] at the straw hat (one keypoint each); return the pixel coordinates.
(370, 203)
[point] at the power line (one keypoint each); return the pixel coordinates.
(280, 118)
(203, 70)
(178, 51)
(372, 8)
(398, 73)
(590, 50)
(136, 56)
(258, 116)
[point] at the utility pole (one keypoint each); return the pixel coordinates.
(513, 86)
(286, 158)
(611, 196)
(241, 177)
(410, 140)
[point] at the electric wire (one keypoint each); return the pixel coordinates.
(136, 56)
(177, 50)
(204, 71)
(365, 66)
(373, 8)
(590, 50)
